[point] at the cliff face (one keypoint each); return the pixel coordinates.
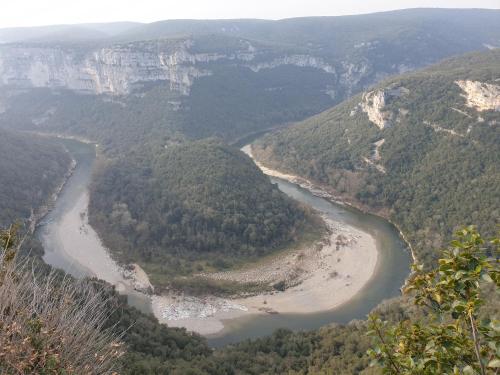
(304, 61)
(481, 96)
(118, 69)
(373, 105)
(111, 70)
(374, 102)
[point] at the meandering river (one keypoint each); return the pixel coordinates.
(71, 244)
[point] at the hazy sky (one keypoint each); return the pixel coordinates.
(45, 12)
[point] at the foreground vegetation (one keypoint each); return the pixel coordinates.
(50, 324)
(452, 339)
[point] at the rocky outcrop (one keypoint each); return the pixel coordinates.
(375, 157)
(373, 105)
(303, 61)
(138, 278)
(374, 102)
(480, 95)
(440, 129)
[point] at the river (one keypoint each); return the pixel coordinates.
(71, 244)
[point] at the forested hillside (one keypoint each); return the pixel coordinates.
(201, 205)
(31, 168)
(421, 149)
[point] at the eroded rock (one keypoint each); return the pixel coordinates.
(480, 95)
(374, 102)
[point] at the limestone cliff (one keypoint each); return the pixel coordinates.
(374, 102)
(111, 70)
(118, 69)
(373, 105)
(480, 95)
(296, 60)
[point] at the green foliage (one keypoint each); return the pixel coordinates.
(30, 168)
(451, 340)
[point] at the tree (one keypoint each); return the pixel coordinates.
(451, 339)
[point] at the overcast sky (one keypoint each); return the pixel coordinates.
(47, 12)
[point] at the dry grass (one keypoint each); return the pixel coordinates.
(50, 324)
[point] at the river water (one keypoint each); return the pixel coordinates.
(71, 244)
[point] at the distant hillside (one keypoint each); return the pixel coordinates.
(202, 205)
(334, 36)
(421, 149)
(65, 33)
(31, 168)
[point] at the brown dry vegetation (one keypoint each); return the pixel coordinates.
(50, 324)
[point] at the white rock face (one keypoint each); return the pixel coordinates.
(111, 70)
(303, 61)
(118, 69)
(374, 102)
(352, 74)
(115, 70)
(373, 105)
(481, 96)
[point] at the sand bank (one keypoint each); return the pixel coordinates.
(325, 275)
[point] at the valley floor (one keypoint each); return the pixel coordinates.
(317, 277)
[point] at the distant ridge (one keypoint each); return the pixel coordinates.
(287, 29)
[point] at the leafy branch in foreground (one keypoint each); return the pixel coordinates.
(453, 339)
(49, 324)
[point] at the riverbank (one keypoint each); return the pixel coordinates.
(326, 192)
(37, 216)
